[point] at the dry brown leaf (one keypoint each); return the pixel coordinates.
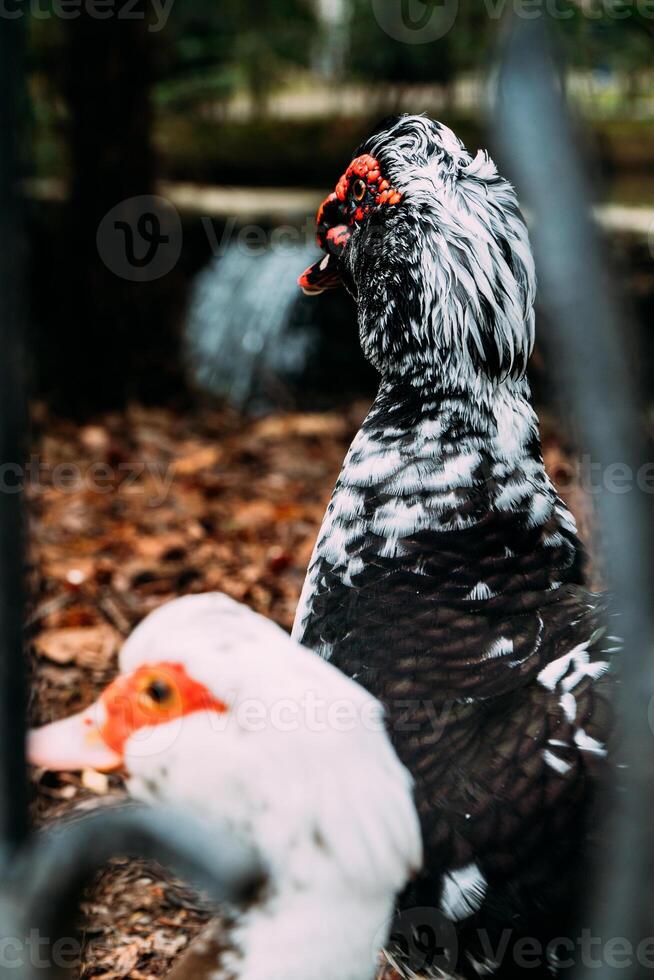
(304, 425)
(162, 547)
(127, 958)
(202, 458)
(254, 514)
(87, 646)
(169, 946)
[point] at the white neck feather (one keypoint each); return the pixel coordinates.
(311, 935)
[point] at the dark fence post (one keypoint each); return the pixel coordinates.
(589, 332)
(41, 880)
(13, 820)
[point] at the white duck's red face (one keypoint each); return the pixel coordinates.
(152, 695)
(362, 189)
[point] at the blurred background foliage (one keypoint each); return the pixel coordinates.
(224, 75)
(213, 95)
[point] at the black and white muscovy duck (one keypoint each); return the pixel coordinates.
(447, 573)
(217, 709)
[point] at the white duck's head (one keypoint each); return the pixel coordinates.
(217, 709)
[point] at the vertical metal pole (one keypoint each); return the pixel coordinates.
(588, 333)
(13, 821)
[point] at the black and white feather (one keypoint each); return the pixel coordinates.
(447, 575)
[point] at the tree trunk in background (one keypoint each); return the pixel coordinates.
(112, 339)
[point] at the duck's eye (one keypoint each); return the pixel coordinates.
(158, 695)
(359, 189)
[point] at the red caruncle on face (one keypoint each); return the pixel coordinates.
(366, 169)
(361, 190)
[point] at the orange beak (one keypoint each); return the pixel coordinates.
(73, 743)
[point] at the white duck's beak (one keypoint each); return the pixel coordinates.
(72, 743)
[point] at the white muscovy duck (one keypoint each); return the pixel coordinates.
(446, 575)
(217, 709)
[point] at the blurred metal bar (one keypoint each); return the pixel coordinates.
(13, 821)
(41, 881)
(47, 880)
(588, 331)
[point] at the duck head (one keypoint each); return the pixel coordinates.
(217, 709)
(431, 243)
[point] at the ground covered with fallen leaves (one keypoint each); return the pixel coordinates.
(127, 513)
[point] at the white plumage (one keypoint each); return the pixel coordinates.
(300, 766)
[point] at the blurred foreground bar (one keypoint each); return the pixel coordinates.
(589, 334)
(13, 820)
